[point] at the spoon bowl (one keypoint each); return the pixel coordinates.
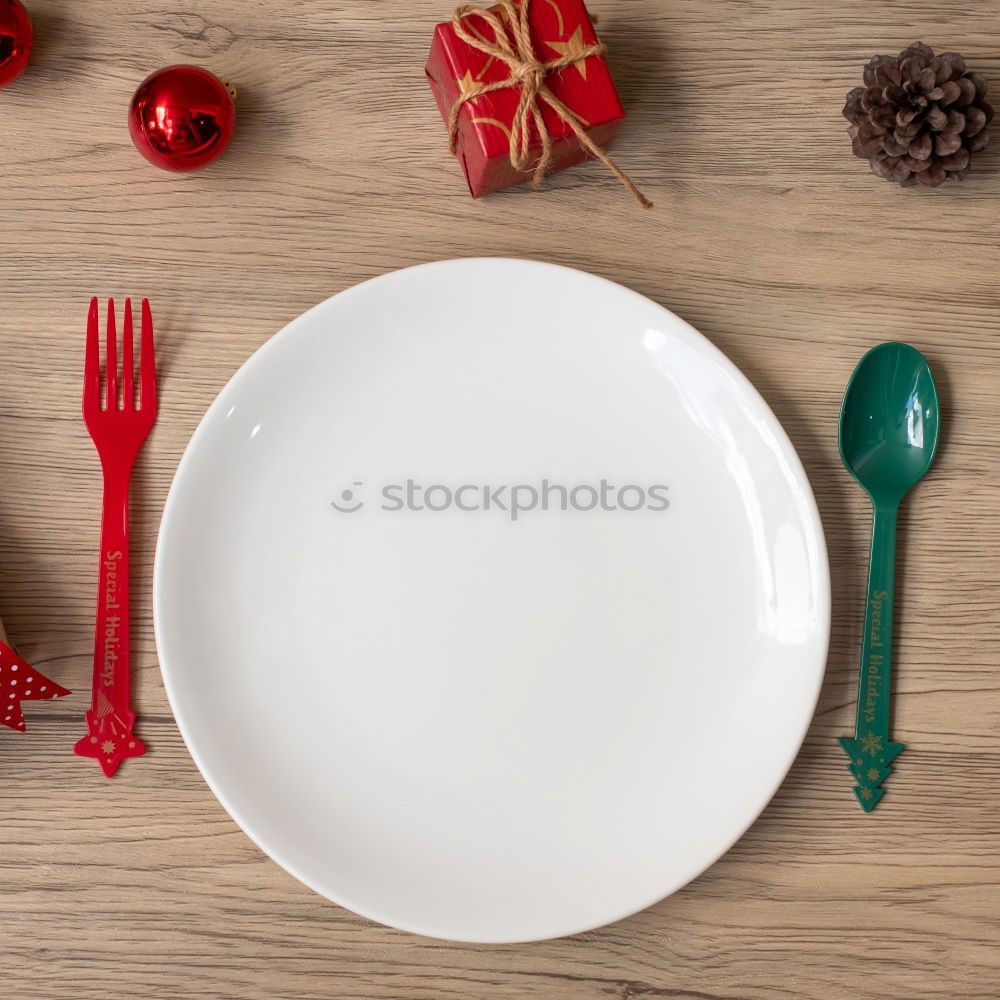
(889, 422)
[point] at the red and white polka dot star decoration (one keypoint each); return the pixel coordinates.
(19, 681)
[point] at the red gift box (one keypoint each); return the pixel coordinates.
(483, 137)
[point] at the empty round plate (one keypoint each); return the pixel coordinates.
(492, 600)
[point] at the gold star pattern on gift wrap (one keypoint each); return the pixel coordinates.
(573, 46)
(466, 84)
(873, 774)
(871, 743)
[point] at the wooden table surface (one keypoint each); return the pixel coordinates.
(767, 235)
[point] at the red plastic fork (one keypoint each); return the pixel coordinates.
(118, 432)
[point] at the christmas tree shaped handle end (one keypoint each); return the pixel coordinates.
(870, 759)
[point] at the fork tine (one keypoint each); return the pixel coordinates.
(147, 362)
(111, 361)
(128, 370)
(92, 362)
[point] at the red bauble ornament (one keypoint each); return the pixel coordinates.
(182, 117)
(16, 39)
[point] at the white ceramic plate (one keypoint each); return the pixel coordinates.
(504, 722)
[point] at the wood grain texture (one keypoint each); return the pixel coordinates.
(768, 236)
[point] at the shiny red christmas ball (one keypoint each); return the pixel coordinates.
(16, 39)
(182, 117)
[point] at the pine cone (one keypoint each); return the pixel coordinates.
(919, 116)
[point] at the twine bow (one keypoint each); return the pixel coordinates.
(528, 74)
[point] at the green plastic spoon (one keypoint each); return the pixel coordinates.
(889, 427)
